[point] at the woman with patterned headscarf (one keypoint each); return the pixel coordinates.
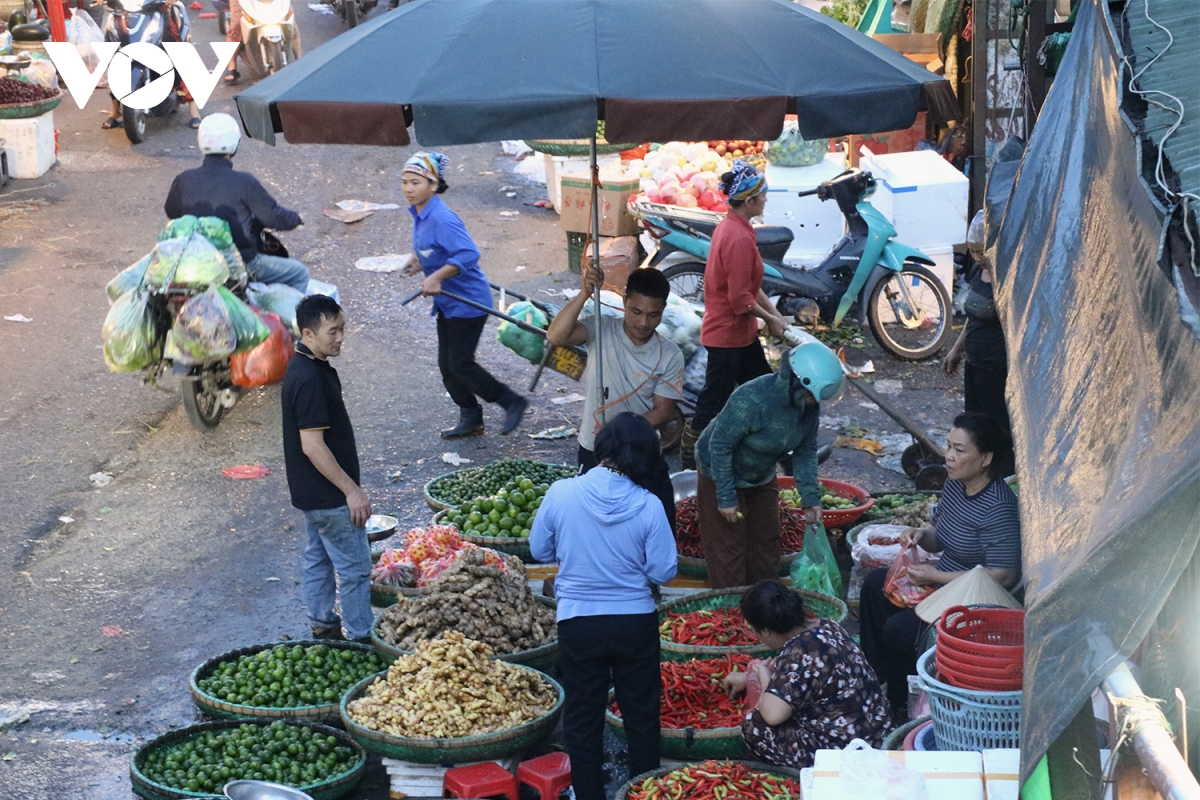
(445, 253)
(733, 303)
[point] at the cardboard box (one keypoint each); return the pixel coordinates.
(615, 217)
(948, 776)
(618, 257)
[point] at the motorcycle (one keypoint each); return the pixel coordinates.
(905, 304)
(269, 34)
(128, 21)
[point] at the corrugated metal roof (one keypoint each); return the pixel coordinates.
(1176, 72)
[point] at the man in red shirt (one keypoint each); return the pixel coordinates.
(734, 302)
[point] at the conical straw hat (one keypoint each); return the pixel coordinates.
(974, 588)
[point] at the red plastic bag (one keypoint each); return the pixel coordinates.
(266, 362)
(898, 587)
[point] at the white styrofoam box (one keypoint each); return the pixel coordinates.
(30, 145)
(816, 225)
(806, 782)
(922, 195)
(1002, 774)
(557, 166)
(425, 780)
(948, 775)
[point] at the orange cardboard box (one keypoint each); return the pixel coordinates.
(615, 217)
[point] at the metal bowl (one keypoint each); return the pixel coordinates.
(262, 790)
(684, 483)
(381, 526)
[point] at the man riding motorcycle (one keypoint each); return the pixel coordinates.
(215, 189)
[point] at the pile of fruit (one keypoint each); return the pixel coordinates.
(689, 174)
(731, 780)
(717, 627)
(751, 152)
(427, 553)
(487, 481)
(829, 499)
(14, 91)
(451, 688)
(693, 695)
(286, 676)
(687, 528)
(294, 755)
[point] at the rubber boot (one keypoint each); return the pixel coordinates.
(470, 423)
(514, 409)
(687, 447)
(332, 632)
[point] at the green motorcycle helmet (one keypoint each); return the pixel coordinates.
(813, 368)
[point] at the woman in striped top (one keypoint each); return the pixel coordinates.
(976, 523)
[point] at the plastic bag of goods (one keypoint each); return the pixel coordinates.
(527, 345)
(215, 230)
(203, 330)
(792, 150)
(611, 305)
(815, 568)
(877, 546)
(865, 772)
(278, 298)
(83, 32)
(130, 335)
(127, 279)
(267, 362)
(247, 327)
(395, 568)
(696, 371)
(190, 261)
(898, 587)
(681, 324)
(41, 71)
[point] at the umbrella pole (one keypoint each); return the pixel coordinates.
(596, 300)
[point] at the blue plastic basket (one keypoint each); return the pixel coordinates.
(965, 719)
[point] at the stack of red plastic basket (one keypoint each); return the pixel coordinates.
(981, 648)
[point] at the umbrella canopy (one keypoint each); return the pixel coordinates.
(487, 70)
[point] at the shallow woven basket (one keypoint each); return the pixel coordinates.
(577, 147)
(212, 707)
(514, 546)
(822, 605)
(335, 787)
(541, 658)
(384, 595)
(487, 747)
(757, 766)
(33, 109)
(685, 744)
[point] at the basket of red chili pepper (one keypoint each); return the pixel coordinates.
(731, 780)
(710, 624)
(696, 716)
(691, 549)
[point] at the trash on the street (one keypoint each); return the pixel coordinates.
(857, 443)
(509, 216)
(561, 432)
(454, 459)
(245, 472)
(573, 397)
(100, 479)
(386, 263)
(888, 386)
(346, 216)
(18, 318)
(66, 520)
(363, 205)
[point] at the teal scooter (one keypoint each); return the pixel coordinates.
(905, 304)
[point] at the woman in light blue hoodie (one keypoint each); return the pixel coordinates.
(610, 538)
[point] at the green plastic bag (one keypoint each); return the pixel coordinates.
(130, 336)
(527, 345)
(815, 568)
(203, 330)
(194, 261)
(215, 230)
(127, 280)
(248, 329)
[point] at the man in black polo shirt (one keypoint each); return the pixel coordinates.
(322, 472)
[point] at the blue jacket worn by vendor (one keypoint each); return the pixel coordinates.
(760, 423)
(611, 540)
(216, 189)
(441, 238)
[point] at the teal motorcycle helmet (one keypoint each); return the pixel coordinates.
(811, 368)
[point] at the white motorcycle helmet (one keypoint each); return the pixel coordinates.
(219, 134)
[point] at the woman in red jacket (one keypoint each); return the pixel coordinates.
(734, 302)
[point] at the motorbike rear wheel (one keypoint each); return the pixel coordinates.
(223, 22)
(202, 398)
(135, 124)
(686, 280)
(910, 313)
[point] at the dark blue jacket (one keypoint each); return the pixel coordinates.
(216, 189)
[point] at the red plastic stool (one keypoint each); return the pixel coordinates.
(479, 780)
(549, 774)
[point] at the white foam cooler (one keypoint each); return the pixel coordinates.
(924, 197)
(816, 225)
(29, 143)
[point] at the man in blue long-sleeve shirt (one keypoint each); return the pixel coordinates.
(216, 189)
(737, 495)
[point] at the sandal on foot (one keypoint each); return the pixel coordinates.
(194, 123)
(232, 77)
(112, 122)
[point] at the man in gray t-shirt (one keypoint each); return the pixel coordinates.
(643, 371)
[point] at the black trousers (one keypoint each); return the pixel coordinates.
(728, 368)
(983, 391)
(463, 378)
(661, 486)
(890, 637)
(620, 650)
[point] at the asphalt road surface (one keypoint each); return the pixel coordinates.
(112, 595)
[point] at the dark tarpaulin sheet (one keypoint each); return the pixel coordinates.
(1104, 390)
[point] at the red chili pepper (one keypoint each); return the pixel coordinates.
(719, 627)
(728, 780)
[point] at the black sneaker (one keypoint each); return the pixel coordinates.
(332, 633)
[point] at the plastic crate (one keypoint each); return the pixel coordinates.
(983, 634)
(967, 719)
(575, 243)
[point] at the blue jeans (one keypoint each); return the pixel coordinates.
(273, 269)
(337, 549)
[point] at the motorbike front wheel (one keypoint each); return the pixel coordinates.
(910, 313)
(686, 280)
(135, 124)
(223, 22)
(274, 57)
(202, 400)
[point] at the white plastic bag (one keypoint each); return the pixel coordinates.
(869, 773)
(82, 31)
(877, 546)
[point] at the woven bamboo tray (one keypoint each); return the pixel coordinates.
(488, 747)
(332, 789)
(577, 147)
(212, 707)
(437, 503)
(541, 658)
(686, 744)
(513, 546)
(383, 595)
(822, 605)
(26, 110)
(757, 766)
